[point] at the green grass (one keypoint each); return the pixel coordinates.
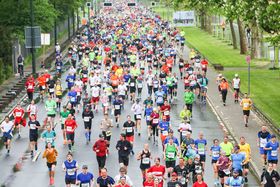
(216, 51)
(265, 89)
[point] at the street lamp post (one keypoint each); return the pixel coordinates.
(32, 37)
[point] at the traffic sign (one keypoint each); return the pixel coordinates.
(45, 39)
(107, 4)
(131, 4)
(36, 35)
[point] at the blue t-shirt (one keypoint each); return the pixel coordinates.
(159, 97)
(164, 125)
(165, 89)
(237, 160)
(117, 104)
(234, 182)
(71, 169)
(126, 77)
(215, 152)
(85, 178)
(148, 112)
(73, 96)
(200, 145)
(70, 80)
(104, 182)
(272, 154)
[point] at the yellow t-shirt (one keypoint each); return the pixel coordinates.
(58, 90)
(246, 149)
(246, 104)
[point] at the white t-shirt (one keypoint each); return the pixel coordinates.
(122, 89)
(185, 126)
(136, 108)
(236, 83)
(7, 126)
(79, 83)
(32, 109)
(95, 91)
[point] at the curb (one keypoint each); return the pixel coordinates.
(253, 166)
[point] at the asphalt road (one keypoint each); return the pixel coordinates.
(36, 173)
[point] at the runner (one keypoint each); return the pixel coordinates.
(95, 94)
(106, 126)
(158, 171)
(263, 138)
(223, 164)
(30, 87)
(58, 94)
(184, 127)
(145, 160)
(270, 177)
(235, 180)
(236, 86)
(19, 120)
(7, 128)
(199, 181)
(155, 122)
(104, 180)
(85, 178)
(129, 127)
(124, 148)
(272, 148)
(50, 106)
(226, 146)
(101, 149)
(33, 125)
(224, 90)
(201, 146)
(32, 109)
(50, 154)
(70, 167)
(245, 148)
(189, 99)
(49, 135)
(70, 126)
(246, 104)
(174, 181)
(170, 153)
(137, 109)
(215, 154)
(182, 172)
(117, 103)
(87, 116)
(122, 179)
(238, 160)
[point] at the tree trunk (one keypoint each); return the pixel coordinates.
(234, 42)
(73, 22)
(209, 24)
(243, 47)
(254, 41)
(202, 20)
(69, 27)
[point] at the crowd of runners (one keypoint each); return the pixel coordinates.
(119, 53)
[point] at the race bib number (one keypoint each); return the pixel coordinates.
(73, 99)
(138, 116)
(18, 114)
(86, 119)
(43, 87)
(145, 160)
(273, 152)
(85, 185)
(69, 129)
(140, 85)
(78, 93)
(108, 133)
(155, 121)
(30, 87)
(170, 155)
(49, 140)
(246, 105)
(166, 113)
(226, 171)
(58, 67)
(263, 142)
(85, 75)
(51, 90)
(215, 153)
(148, 118)
(132, 84)
(165, 133)
(71, 171)
(117, 107)
(129, 129)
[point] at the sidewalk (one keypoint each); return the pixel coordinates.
(232, 118)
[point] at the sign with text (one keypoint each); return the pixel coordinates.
(184, 18)
(36, 36)
(45, 39)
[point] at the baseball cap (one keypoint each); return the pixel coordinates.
(174, 174)
(235, 171)
(273, 136)
(170, 131)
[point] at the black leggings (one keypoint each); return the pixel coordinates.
(224, 95)
(155, 130)
(189, 107)
(101, 160)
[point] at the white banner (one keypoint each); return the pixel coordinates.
(45, 39)
(184, 18)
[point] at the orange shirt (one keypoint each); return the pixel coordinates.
(42, 80)
(50, 155)
(115, 80)
(224, 85)
(165, 68)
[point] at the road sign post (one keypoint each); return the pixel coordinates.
(248, 60)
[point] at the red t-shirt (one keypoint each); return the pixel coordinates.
(30, 86)
(158, 172)
(166, 110)
(203, 184)
(18, 113)
(148, 184)
(204, 64)
(119, 185)
(155, 117)
(70, 126)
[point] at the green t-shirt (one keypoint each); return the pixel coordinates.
(64, 115)
(49, 137)
(91, 56)
(227, 148)
(50, 106)
(170, 152)
(169, 81)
